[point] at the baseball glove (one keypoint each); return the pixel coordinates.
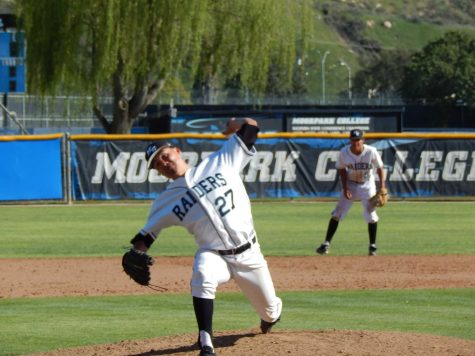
(380, 198)
(136, 265)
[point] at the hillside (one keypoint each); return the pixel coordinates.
(354, 31)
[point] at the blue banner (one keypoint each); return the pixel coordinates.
(31, 170)
(282, 167)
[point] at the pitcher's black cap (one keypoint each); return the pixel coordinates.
(153, 149)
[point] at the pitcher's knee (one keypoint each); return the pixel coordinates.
(273, 311)
(202, 285)
(203, 290)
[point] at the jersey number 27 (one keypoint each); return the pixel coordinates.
(225, 203)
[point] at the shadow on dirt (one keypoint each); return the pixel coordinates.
(218, 341)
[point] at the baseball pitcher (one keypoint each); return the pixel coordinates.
(210, 201)
(355, 166)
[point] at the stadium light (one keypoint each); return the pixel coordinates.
(323, 75)
(343, 63)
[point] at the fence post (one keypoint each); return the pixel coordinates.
(67, 188)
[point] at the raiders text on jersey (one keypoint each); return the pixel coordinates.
(203, 187)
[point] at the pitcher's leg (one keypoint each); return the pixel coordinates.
(256, 283)
(209, 270)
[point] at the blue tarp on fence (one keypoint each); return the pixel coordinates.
(31, 170)
(106, 168)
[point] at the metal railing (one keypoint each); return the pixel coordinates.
(61, 112)
(50, 112)
(12, 115)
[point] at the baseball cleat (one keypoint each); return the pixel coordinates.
(323, 249)
(207, 351)
(372, 250)
(266, 326)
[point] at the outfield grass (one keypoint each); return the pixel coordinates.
(41, 324)
(284, 229)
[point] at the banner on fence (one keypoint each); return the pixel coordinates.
(217, 123)
(282, 167)
(339, 122)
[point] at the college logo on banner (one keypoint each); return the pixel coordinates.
(280, 168)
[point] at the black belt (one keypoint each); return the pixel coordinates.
(353, 181)
(238, 250)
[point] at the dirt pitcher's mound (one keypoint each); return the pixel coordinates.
(287, 343)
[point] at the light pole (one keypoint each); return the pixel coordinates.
(343, 63)
(323, 75)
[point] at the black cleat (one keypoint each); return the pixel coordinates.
(266, 326)
(323, 249)
(207, 351)
(372, 250)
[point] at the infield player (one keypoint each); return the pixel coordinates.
(356, 163)
(210, 201)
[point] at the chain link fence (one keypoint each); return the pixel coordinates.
(73, 114)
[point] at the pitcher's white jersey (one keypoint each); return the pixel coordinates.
(210, 201)
(359, 167)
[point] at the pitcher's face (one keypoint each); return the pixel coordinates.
(168, 162)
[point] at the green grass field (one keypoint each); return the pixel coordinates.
(42, 324)
(285, 229)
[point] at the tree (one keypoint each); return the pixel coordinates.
(383, 75)
(128, 49)
(271, 34)
(443, 72)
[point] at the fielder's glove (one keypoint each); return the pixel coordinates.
(136, 265)
(380, 198)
